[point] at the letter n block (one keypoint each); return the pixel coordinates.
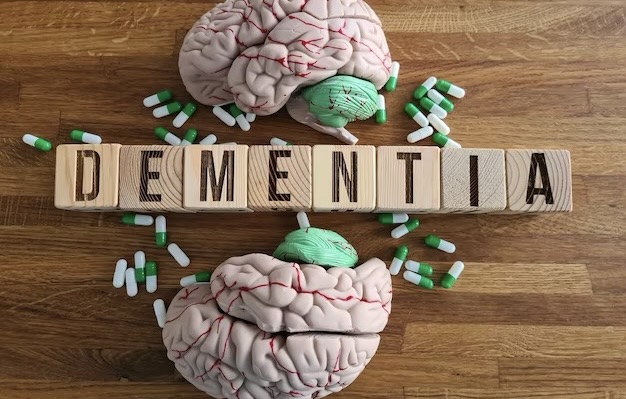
(216, 178)
(539, 180)
(344, 178)
(86, 176)
(279, 178)
(151, 178)
(408, 179)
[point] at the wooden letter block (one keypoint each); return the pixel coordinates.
(151, 178)
(344, 178)
(279, 178)
(539, 180)
(86, 176)
(216, 178)
(408, 179)
(473, 180)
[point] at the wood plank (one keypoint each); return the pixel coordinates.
(529, 393)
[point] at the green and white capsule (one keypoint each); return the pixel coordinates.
(151, 276)
(179, 256)
(433, 108)
(419, 134)
(381, 111)
(157, 98)
(393, 218)
(201, 277)
(416, 114)
(240, 118)
(131, 282)
(435, 242)
(438, 124)
(224, 116)
(167, 109)
(159, 312)
(347, 137)
(279, 141)
(424, 87)
(229, 143)
(398, 259)
(421, 268)
(405, 228)
(440, 100)
(303, 220)
(120, 273)
(449, 88)
(37, 142)
(137, 219)
(160, 231)
(140, 266)
(250, 116)
(184, 115)
(166, 136)
(208, 140)
(189, 137)
(444, 141)
(418, 280)
(448, 280)
(85, 137)
(393, 78)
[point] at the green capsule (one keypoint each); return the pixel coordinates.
(421, 268)
(160, 231)
(435, 242)
(151, 276)
(37, 142)
(433, 108)
(201, 277)
(418, 280)
(157, 98)
(135, 219)
(190, 137)
(405, 228)
(449, 88)
(167, 109)
(452, 275)
(151, 268)
(85, 137)
(440, 100)
(424, 87)
(381, 112)
(140, 274)
(398, 258)
(393, 218)
(184, 115)
(234, 110)
(444, 141)
(393, 79)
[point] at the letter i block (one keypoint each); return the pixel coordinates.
(216, 178)
(408, 179)
(539, 180)
(151, 178)
(279, 178)
(86, 176)
(344, 178)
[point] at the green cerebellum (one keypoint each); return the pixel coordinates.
(317, 246)
(341, 99)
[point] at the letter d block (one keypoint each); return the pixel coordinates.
(86, 176)
(216, 178)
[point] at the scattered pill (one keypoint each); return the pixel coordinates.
(421, 268)
(178, 255)
(137, 219)
(159, 311)
(224, 116)
(166, 136)
(131, 283)
(405, 228)
(85, 137)
(208, 140)
(37, 142)
(167, 109)
(381, 112)
(190, 137)
(398, 258)
(419, 134)
(438, 124)
(435, 242)
(393, 79)
(453, 274)
(240, 118)
(120, 273)
(416, 114)
(303, 220)
(431, 107)
(157, 98)
(418, 280)
(250, 117)
(140, 266)
(393, 218)
(347, 137)
(160, 231)
(184, 115)
(151, 276)
(449, 88)
(440, 100)
(424, 87)
(201, 277)
(444, 141)
(279, 141)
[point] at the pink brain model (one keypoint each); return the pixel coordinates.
(264, 328)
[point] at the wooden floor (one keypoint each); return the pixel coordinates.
(540, 310)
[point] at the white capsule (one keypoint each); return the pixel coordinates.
(142, 220)
(303, 220)
(456, 91)
(131, 283)
(120, 273)
(347, 137)
(224, 116)
(380, 102)
(161, 224)
(180, 119)
(140, 259)
(208, 140)
(456, 269)
(438, 124)
(396, 265)
(419, 134)
(250, 117)
(159, 311)
(179, 256)
(395, 69)
(278, 141)
(242, 122)
(229, 143)
(151, 284)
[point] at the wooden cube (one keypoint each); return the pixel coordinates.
(216, 178)
(279, 178)
(151, 178)
(344, 178)
(86, 176)
(473, 180)
(539, 180)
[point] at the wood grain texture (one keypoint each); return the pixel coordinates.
(540, 309)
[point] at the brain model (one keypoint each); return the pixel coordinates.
(330, 54)
(268, 328)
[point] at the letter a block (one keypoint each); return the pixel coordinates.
(86, 176)
(344, 178)
(216, 178)
(539, 180)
